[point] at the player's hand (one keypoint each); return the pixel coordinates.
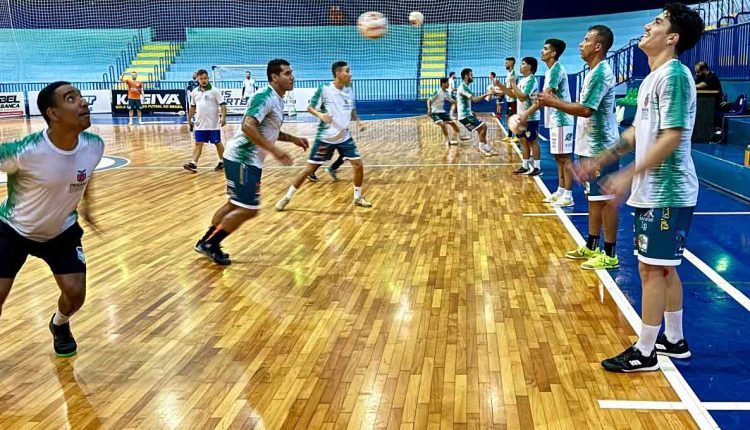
(360, 126)
(283, 157)
(523, 117)
(191, 127)
(585, 170)
(618, 184)
(326, 118)
(302, 142)
(545, 98)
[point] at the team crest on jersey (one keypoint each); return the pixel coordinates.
(81, 176)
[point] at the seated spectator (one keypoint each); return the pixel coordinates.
(705, 79)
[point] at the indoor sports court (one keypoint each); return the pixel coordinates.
(447, 303)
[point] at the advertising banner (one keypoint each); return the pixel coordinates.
(154, 101)
(100, 101)
(11, 104)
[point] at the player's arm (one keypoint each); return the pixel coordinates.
(191, 113)
(429, 105)
(302, 142)
(576, 109)
(356, 119)
(223, 106)
(250, 130)
(586, 168)
(86, 206)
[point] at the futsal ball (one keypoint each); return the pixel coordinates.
(515, 125)
(372, 25)
(416, 18)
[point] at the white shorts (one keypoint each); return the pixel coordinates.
(561, 140)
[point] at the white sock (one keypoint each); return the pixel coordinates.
(568, 194)
(59, 318)
(673, 326)
(290, 193)
(531, 164)
(357, 193)
(647, 340)
(525, 164)
(559, 191)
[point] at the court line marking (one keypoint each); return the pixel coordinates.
(720, 282)
(549, 214)
(700, 414)
(655, 405)
(366, 166)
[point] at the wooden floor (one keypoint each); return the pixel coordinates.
(440, 307)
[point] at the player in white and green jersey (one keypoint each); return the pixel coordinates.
(525, 91)
(244, 155)
(48, 176)
(596, 132)
(662, 182)
(333, 104)
(436, 110)
(465, 98)
(510, 101)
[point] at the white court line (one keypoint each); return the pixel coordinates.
(720, 282)
(675, 406)
(586, 214)
(700, 414)
(366, 165)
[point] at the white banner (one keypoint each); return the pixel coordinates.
(299, 98)
(100, 101)
(11, 104)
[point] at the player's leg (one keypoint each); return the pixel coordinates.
(456, 132)
(192, 165)
(532, 136)
(138, 107)
(215, 139)
(13, 253)
(131, 108)
(444, 130)
(350, 152)
(525, 156)
(65, 257)
(605, 209)
(333, 168)
(319, 154)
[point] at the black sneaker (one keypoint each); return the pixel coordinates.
(536, 172)
(521, 171)
(64, 343)
(191, 167)
(674, 350)
(631, 360)
(214, 253)
(219, 167)
(312, 177)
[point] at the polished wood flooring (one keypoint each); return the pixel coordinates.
(440, 307)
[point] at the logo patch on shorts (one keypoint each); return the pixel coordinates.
(81, 255)
(642, 243)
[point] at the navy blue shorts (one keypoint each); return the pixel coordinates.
(439, 117)
(243, 184)
(208, 136)
(63, 254)
(593, 187)
(532, 131)
(323, 151)
(471, 122)
(134, 104)
(660, 234)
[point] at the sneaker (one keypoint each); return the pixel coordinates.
(64, 343)
(674, 350)
(362, 203)
(582, 253)
(551, 198)
(521, 171)
(312, 177)
(219, 167)
(601, 261)
(281, 204)
(563, 203)
(332, 174)
(487, 152)
(631, 360)
(536, 172)
(453, 142)
(214, 253)
(191, 167)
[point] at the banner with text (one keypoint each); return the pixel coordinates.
(11, 104)
(297, 99)
(154, 101)
(100, 101)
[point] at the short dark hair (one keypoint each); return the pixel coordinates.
(686, 22)
(46, 97)
(558, 45)
(201, 72)
(513, 59)
(493, 74)
(604, 35)
(247, 71)
(274, 67)
(443, 81)
(465, 72)
(338, 65)
(451, 74)
(531, 61)
(702, 66)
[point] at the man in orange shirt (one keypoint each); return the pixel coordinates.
(135, 91)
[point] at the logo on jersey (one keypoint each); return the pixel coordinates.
(81, 185)
(81, 177)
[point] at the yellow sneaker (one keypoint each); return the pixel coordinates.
(601, 261)
(582, 253)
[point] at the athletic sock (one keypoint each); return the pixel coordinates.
(208, 234)
(592, 242)
(60, 319)
(357, 193)
(647, 340)
(290, 193)
(609, 248)
(673, 326)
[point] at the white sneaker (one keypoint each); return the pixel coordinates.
(360, 202)
(563, 203)
(487, 152)
(281, 204)
(552, 198)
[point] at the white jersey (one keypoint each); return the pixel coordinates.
(530, 88)
(46, 183)
(438, 100)
(598, 133)
(207, 107)
(267, 107)
(248, 87)
(556, 78)
(509, 75)
(666, 100)
(339, 103)
(463, 101)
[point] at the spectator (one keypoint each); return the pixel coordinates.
(705, 79)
